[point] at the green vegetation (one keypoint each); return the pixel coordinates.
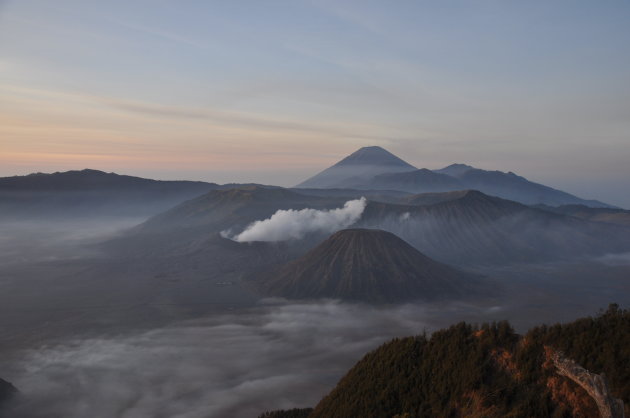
(485, 371)
(600, 344)
(421, 377)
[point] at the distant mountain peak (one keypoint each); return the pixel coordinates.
(93, 171)
(374, 168)
(362, 164)
(455, 170)
(374, 155)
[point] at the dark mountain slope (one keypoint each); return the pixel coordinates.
(367, 265)
(513, 187)
(455, 170)
(608, 215)
(496, 183)
(373, 168)
(7, 392)
(231, 207)
(425, 199)
(464, 227)
(92, 193)
(487, 371)
(194, 227)
(362, 164)
(417, 181)
(90, 180)
(472, 227)
(392, 196)
(517, 188)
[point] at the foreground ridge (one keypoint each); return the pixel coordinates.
(594, 384)
(491, 371)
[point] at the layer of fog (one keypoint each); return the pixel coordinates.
(276, 356)
(239, 365)
(37, 240)
(620, 259)
(295, 224)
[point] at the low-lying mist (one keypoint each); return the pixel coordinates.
(238, 365)
(235, 363)
(39, 240)
(619, 259)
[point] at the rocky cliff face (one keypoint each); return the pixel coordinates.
(594, 384)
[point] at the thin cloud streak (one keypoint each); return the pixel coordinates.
(210, 115)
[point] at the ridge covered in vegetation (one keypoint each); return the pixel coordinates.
(485, 371)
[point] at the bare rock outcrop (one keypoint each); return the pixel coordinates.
(594, 384)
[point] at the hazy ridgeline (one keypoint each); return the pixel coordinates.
(163, 314)
(260, 258)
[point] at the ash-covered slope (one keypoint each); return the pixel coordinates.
(194, 226)
(473, 228)
(431, 198)
(358, 167)
(416, 181)
(367, 265)
(231, 208)
(462, 227)
(607, 215)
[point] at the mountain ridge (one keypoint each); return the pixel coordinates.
(458, 228)
(88, 193)
(384, 171)
(86, 178)
(489, 371)
(471, 227)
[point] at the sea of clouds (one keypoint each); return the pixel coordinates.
(278, 355)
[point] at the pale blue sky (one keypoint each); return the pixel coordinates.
(273, 91)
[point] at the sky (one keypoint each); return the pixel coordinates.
(275, 91)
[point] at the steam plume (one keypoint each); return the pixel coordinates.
(294, 224)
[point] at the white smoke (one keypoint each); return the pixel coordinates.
(294, 224)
